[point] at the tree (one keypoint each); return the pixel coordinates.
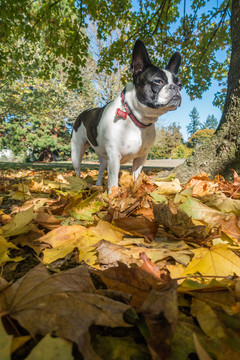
(35, 115)
(181, 152)
(211, 122)
(222, 153)
(199, 137)
(198, 34)
(167, 139)
(194, 124)
(61, 28)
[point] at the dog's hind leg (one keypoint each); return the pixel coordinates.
(79, 145)
(102, 168)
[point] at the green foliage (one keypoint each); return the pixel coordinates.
(35, 116)
(194, 124)
(200, 136)
(41, 34)
(211, 122)
(167, 139)
(181, 152)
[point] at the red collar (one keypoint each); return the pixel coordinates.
(129, 112)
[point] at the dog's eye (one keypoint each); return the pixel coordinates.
(179, 85)
(158, 81)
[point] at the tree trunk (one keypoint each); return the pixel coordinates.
(221, 154)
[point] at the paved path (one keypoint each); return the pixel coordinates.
(164, 164)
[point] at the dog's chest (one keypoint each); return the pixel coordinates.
(126, 139)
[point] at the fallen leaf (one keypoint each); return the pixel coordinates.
(198, 211)
(207, 319)
(223, 203)
(87, 213)
(62, 304)
(4, 251)
(19, 341)
(48, 221)
(168, 187)
(139, 226)
(111, 254)
(202, 354)
(130, 280)
(201, 185)
(5, 343)
(175, 219)
(19, 223)
(120, 348)
(77, 184)
(50, 348)
(216, 261)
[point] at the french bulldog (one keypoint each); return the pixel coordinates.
(123, 130)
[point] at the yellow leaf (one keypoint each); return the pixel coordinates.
(168, 187)
(63, 234)
(106, 231)
(198, 211)
(17, 342)
(217, 261)
(64, 239)
(19, 223)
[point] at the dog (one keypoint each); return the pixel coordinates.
(123, 130)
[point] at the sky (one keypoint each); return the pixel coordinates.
(204, 107)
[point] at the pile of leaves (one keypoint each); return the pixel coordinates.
(150, 271)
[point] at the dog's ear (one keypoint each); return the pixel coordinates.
(174, 62)
(140, 58)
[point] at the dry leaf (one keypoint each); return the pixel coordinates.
(63, 304)
(216, 261)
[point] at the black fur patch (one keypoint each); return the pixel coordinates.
(90, 119)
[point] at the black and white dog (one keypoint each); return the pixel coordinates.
(123, 130)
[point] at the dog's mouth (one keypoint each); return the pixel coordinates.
(175, 101)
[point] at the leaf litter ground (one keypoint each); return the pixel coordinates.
(148, 272)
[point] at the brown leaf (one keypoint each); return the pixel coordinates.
(48, 221)
(160, 311)
(173, 218)
(138, 226)
(202, 185)
(150, 267)
(110, 254)
(130, 280)
(63, 305)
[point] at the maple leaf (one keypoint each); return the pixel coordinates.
(216, 261)
(62, 304)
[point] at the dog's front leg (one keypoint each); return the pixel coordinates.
(102, 168)
(113, 171)
(137, 166)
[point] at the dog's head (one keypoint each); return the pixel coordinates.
(156, 88)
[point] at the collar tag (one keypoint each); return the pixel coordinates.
(121, 113)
